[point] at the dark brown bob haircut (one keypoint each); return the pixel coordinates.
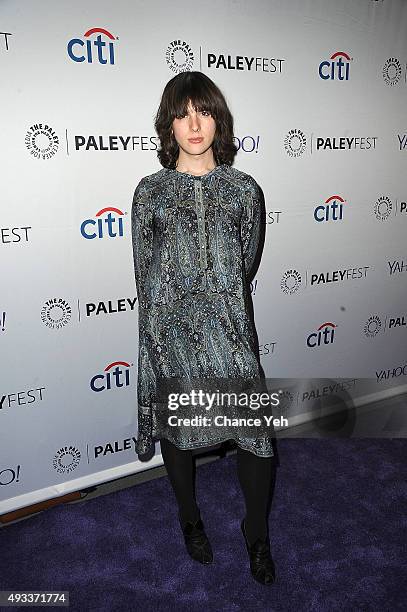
(204, 95)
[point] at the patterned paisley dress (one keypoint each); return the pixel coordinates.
(194, 242)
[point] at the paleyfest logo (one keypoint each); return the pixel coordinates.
(41, 141)
(179, 56)
(291, 280)
(93, 50)
(295, 143)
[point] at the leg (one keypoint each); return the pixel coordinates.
(180, 469)
(255, 476)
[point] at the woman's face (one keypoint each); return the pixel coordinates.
(192, 126)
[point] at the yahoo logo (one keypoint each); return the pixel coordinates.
(323, 335)
(99, 228)
(331, 210)
(338, 69)
(87, 50)
(109, 380)
(248, 144)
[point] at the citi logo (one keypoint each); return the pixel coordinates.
(336, 68)
(93, 49)
(115, 375)
(323, 335)
(331, 210)
(108, 222)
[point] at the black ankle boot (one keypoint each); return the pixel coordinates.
(261, 563)
(196, 541)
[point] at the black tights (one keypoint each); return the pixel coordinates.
(254, 473)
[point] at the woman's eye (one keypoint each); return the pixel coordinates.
(204, 112)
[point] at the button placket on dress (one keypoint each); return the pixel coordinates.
(200, 212)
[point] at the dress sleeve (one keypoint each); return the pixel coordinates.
(250, 225)
(142, 241)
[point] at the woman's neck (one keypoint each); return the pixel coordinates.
(197, 166)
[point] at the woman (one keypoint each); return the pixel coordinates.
(195, 234)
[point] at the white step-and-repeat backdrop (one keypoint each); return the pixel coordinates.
(319, 96)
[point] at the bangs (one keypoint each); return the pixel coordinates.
(200, 96)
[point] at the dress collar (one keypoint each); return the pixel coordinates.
(214, 170)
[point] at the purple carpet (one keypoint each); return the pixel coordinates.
(337, 529)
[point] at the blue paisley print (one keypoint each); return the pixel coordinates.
(194, 241)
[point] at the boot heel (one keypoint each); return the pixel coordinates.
(196, 541)
(261, 563)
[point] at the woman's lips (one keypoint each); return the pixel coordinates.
(195, 140)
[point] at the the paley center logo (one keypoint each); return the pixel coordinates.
(372, 326)
(96, 46)
(56, 313)
(295, 143)
(392, 71)
(66, 459)
(383, 208)
(41, 141)
(291, 281)
(179, 56)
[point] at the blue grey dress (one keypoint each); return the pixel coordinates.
(194, 243)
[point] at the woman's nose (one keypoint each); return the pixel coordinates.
(194, 122)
